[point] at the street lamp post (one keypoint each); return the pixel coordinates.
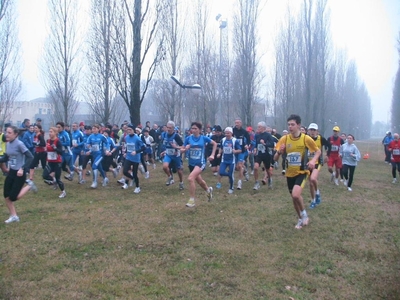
(195, 88)
(223, 23)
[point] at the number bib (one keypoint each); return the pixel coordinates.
(294, 159)
(195, 154)
(335, 148)
(95, 147)
(170, 151)
(228, 150)
(52, 155)
(396, 151)
(130, 147)
(261, 148)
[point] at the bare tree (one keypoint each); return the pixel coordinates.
(135, 29)
(100, 90)
(245, 45)
(395, 111)
(10, 83)
(61, 66)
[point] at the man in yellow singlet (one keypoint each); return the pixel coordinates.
(295, 145)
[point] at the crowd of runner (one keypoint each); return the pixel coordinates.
(85, 151)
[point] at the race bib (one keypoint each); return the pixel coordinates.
(13, 161)
(52, 155)
(228, 150)
(396, 151)
(335, 148)
(294, 159)
(130, 148)
(261, 148)
(95, 147)
(170, 151)
(195, 154)
(74, 142)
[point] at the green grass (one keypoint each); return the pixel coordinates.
(112, 244)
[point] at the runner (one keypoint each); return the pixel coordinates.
(20, 158)
(295, 144)
(217, 137)
(350, 155)
(195, 145)
(333, 155)
(170, 145)
(244, 139)
(394, 148)
(40, 151)
(229, 147)
(263, 145)
(134, 146)
(97, 144)
(321, 142)
(54, 151)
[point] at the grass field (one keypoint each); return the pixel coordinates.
(112, 244)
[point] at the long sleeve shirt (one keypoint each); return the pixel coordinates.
(350, 154)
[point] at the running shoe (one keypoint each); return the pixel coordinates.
(12, 219)
(336, 181)
(345, 182)
(210, 193)
(147, 175)
(68, 177)
(230, 191)
(270, 183)
(394, 180)
(80, 176)
(333, 176)
(141, 169)
(239, 185)
(137, 190)
(246, 176)
(349, 189)
(105, 181)
(181, 186)
(317, 199)
(256, 186)
(190, 203)
(313, 204)
(82, 181)
(121, 181)
(63, 194)
(88, 173)
(305, 220)
(299, 224)
(49, 182)
(276, 165)
(283, 172)
(32, 186)
(94, 185)
(170, 181)
(218, 185)
(124, 186)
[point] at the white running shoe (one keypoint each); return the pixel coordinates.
(12, 219)
(121, 181)
(239, 185)
(63, 194)
(256, 186)
(210, 193)
(349, 189)
(230, 191)
(181, 186)
(170, 181)
(124, 186)
(190, 203)
(137, 190)
(94, 185)
(147, 175)
(336, 181)
(105, 181)
(32, 186)
(394, 180)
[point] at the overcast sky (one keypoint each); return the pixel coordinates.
(368, 29)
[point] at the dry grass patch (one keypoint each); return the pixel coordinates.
(112, 244)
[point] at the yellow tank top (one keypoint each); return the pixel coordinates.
(296, 153)
(2, 145)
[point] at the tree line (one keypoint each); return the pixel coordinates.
(123, 55)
